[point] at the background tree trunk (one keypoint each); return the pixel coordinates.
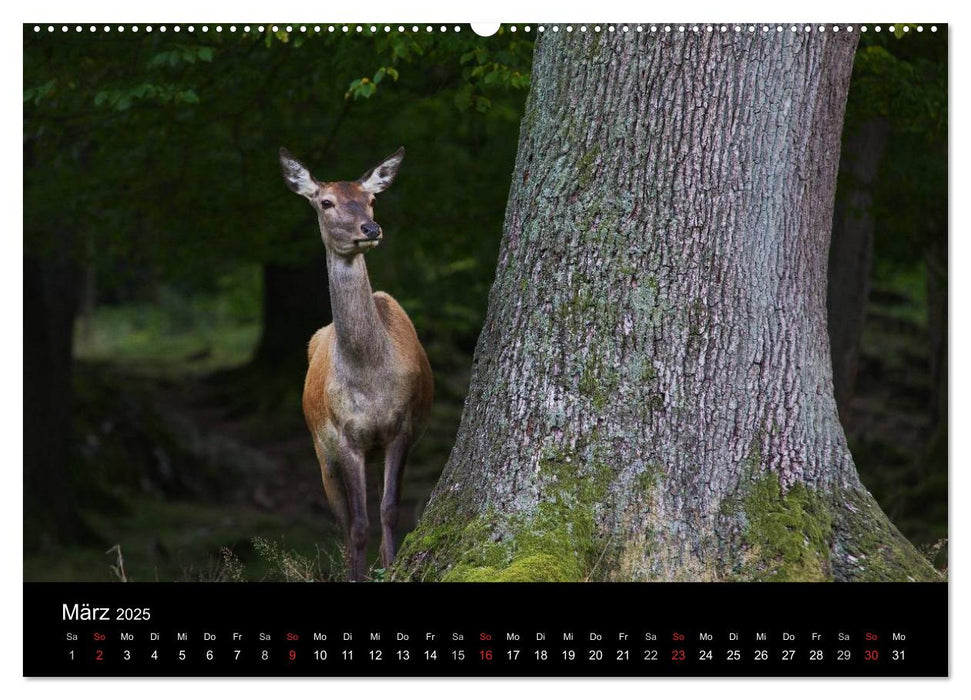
(50, 303)
(295, 304)
(651, 395)
(851, 256)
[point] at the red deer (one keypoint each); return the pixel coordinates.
(368, 390)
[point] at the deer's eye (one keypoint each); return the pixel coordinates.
(371, 203)
(326, 203)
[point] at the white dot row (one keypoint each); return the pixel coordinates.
(737, 28)
(374, 29)
(259, 29)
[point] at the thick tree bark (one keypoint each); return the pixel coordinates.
(651, 396)
(851, 255)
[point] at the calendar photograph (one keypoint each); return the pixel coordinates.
(388, 303)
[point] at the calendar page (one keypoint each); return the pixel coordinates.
(525, 349)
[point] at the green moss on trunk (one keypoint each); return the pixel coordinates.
(555, 540)
(804, 535)
(788, 534)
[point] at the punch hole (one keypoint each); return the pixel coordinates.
(485, 28)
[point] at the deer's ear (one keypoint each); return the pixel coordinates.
(297, 177)
(380, 177)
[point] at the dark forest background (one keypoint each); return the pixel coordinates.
(171, 280)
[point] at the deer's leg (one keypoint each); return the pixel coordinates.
(352, 476)
(394, 467)
(330, 473)
(343, 476)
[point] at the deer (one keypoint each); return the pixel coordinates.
(368, 389)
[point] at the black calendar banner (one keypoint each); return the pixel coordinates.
(678, 630)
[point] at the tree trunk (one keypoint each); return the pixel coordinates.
(850, 257)
(295, 305)
(937, 325)
(50, 509)
(651, 394)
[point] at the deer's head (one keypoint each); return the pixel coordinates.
(345, 210)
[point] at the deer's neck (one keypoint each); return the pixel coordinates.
(361, 337)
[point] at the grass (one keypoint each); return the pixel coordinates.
(186, 541)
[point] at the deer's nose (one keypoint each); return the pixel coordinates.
(371, 230)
